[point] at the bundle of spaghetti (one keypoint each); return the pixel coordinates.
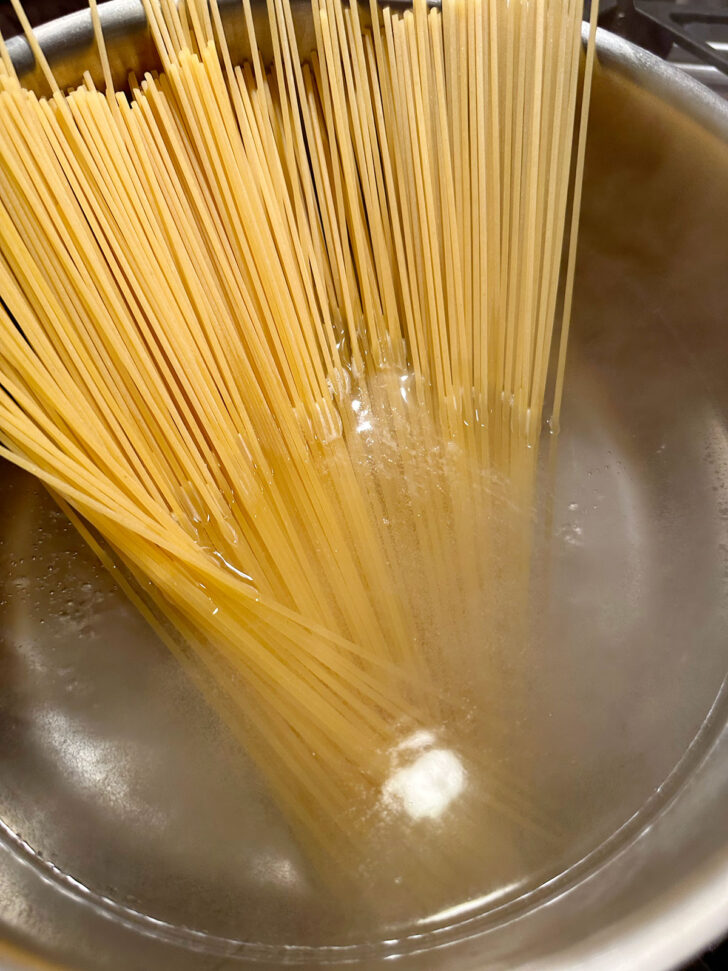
(144, 496)
(272, 333)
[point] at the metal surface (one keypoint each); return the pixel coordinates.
(122, 806)
(658, 25)
(69, 46)
(68, 43)
(680, 20)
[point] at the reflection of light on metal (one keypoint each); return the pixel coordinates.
(282, 872)
(426, 786)
(93, 763)
(476, 903)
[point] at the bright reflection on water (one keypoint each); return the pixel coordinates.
(426, 786)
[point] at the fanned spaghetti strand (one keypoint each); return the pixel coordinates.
(278, 338)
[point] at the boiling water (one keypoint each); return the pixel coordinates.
(121, 786)
(119, 775)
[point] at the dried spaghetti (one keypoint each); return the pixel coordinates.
(270, 330)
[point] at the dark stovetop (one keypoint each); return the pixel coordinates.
(714, 960)
(38, 11)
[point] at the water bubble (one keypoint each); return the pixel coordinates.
(571, 534)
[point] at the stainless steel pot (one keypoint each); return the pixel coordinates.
(630, 673)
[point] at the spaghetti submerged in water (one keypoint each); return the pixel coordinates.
(271, 333)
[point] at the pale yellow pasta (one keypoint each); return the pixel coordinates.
(224, 285)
